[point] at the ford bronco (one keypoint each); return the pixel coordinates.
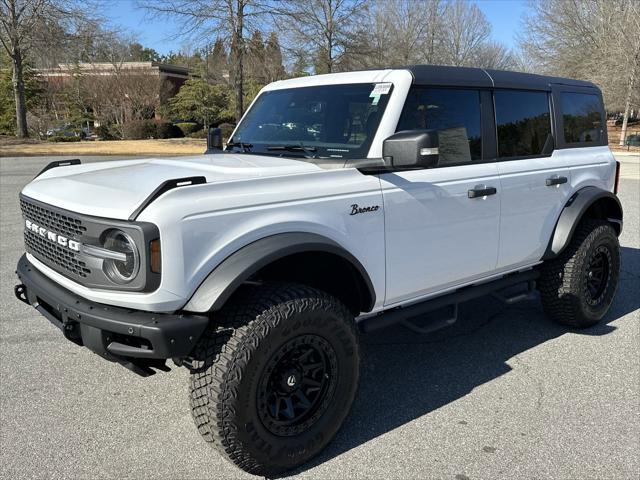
(340, 204)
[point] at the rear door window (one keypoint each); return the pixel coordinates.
(454, 113)
(581, 116)
(523, 123)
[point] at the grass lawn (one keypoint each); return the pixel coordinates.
(12, 147)
(614, 137)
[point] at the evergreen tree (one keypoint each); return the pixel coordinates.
(33, 92)
(218, 63)
(321, 61)
(300, 64)
(273, 59)
(202, 102)
(255, 59)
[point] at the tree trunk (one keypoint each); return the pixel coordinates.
(18, 93)
(627, 109)
(627, 104)
(238, 60)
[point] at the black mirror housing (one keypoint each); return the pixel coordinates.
(411, 150)
(214, 140)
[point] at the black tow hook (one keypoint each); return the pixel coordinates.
(20, 292)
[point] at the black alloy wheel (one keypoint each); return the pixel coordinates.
(297, 385)
(598, 275)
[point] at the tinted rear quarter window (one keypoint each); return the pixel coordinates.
(582, 118)
(523, 123)
(454, 113)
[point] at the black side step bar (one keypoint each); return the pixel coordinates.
(165, 187)
(403, 315)
(58, 163)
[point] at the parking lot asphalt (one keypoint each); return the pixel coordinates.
(504, 393)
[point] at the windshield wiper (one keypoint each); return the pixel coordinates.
(294, 148)
(244, 146)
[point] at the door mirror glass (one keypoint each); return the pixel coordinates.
(411, 150)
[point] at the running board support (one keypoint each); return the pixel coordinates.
(517, 297)
(432, 325)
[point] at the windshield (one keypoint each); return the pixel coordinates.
(329, 121)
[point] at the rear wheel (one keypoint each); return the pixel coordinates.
(578, 287)
(274, 379)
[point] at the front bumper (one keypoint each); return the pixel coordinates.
(134, 338)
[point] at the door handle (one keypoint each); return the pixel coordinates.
(549, 182)
(481, 192)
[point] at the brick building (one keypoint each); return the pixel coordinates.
(151, 83)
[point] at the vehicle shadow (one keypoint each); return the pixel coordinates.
(405, 376)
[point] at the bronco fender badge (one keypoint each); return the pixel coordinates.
(355, 209)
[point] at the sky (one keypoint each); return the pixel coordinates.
(159, 34)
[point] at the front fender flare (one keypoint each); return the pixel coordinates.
(573, 212)
(220, 284)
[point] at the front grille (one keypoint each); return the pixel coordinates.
(51, 235)
(55, 256)
(50, 252)
(57, 222)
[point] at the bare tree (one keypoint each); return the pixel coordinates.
(17, 19)
(598, 40)
(228, 19)
(401, 32)
(22, 24)
(467, 32)
(496, 56)
(323, 27)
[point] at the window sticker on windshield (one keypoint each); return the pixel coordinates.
(380, 89)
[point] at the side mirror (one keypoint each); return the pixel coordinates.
(214, 140)
(411, 150)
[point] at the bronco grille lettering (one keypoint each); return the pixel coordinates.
(52, 236)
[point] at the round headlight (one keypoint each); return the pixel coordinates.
(123, 270)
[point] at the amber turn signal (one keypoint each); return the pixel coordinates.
(155, 256)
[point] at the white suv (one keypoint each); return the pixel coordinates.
(341, 202)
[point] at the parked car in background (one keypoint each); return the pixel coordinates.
(69, 130)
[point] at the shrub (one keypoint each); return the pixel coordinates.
(139, 129)
(202, 133)
(227, 129)
(106, 132)
(188, 128)
(143, 129)
(62, 138)
(168, 130)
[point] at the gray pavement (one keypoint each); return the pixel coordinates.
(504, 393)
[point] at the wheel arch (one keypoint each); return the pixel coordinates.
(588, 202)
(303, 257)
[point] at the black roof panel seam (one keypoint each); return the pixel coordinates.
(493, 84)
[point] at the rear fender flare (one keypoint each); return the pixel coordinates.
(573, 212)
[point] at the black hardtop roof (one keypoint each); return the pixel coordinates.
(480, 77)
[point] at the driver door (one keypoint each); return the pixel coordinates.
(438, 237)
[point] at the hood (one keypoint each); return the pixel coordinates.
(115, 189)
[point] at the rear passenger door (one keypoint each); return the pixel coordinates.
(435, 235)
(534, 177)
(582, 136)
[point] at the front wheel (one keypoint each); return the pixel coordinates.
(578, 287)
(274, 379)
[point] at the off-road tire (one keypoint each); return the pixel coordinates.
(563, 280)
(230, 361)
